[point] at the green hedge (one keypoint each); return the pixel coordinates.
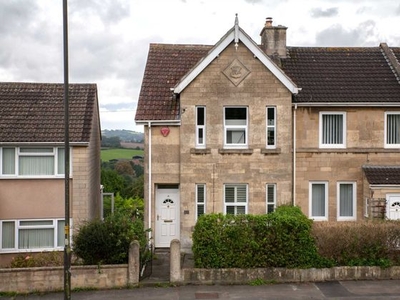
(279, 239)
(362, 243)
(107, 242)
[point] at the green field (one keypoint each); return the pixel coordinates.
(108, 154)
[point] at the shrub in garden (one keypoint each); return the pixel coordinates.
(42, 259)
(107, 242)
(279, 239)
(367, 243)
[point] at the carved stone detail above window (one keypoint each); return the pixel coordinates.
(236, 72)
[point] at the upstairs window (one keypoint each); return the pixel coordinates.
(235, 127)
(200, 126)
(332, 130)
(271, 127)
(32, 161)
(200, 200)
(392, 129)
(235, 199)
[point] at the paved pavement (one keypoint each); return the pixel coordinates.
(348, 290)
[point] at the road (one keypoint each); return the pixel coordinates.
(348, 290)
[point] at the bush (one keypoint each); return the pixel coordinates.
(367, 243)
(279, 239)
(42, 259)
(132, 206)
(108, 241)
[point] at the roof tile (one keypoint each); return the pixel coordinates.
(34, 112)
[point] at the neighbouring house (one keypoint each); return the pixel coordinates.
(240, 127)
(32, 183)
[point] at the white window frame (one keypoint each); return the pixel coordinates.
(18, 226)
(200, 144)
(204, 203)
(270, 126)
(318, 218)
(354, 201)
(390, 145)
(235, 203)
(236, 127)
(344, 133)
(18, 153)
(272, 201)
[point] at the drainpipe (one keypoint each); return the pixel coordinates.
(150, 184)
(294, 154)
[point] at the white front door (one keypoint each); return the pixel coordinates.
(393, 206)
(167, 215)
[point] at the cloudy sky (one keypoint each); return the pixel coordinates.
(109, 39)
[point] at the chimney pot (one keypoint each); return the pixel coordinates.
(268, 22)
(273, 39)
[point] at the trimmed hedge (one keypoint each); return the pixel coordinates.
(279, 239)
(362, 243)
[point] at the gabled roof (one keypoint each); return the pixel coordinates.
(382, 175)
(237, 35)
(171, 68)
(166, 65)
(342, 75)
(326, 75)
(34, 112)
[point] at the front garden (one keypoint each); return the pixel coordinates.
(288, 239)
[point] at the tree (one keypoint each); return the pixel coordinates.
(112, 142)
(138, 187)
(124, 167)
(112, 182)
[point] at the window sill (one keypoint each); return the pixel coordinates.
(236, 151)
(200, 151)
(36, 250)
(33, 177)
(270, 151)
(347, 150)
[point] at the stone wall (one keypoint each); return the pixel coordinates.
(245, 276)
(29, 280)
(45, 279)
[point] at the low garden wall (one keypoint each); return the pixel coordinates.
(189, 275)
(45, 279)
(246, 276)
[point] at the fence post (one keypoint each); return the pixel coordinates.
(175, 261)
(134, 263)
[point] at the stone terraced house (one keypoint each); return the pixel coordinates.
(240, 127)
(32, 183)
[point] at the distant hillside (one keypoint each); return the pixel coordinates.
(124, 135)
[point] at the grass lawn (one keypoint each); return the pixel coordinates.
(116, 153)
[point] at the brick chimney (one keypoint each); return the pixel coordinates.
(273, 40)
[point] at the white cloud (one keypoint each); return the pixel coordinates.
(109, 39)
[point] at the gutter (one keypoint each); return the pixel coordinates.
(159, 122)
(348, 104)
(294, 154)
(386, 186)
(83, 144)
(150, 190)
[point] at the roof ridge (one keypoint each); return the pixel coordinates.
(391, 59)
